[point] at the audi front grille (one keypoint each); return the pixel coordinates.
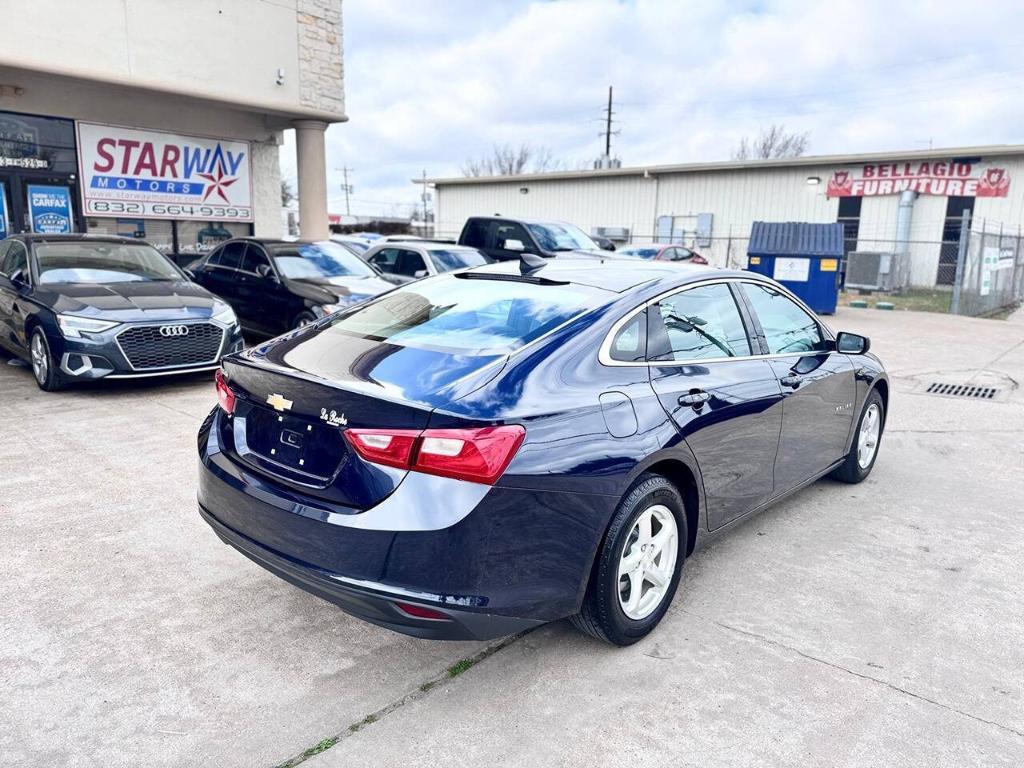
(150, 347)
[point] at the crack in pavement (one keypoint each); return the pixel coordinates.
(861, 675)
(415, 695)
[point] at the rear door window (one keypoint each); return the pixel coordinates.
(697, 324)
(475, 234)
(231, 255)
(630, 344)
(787, 327)
(409, 263)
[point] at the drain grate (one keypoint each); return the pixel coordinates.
(962, 390)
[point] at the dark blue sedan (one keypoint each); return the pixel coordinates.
(484, 451)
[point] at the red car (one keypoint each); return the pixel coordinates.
(661, 252)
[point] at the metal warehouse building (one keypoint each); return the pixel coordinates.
(899, 202)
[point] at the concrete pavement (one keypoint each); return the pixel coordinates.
(868, 625)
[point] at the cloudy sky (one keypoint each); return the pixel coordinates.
(431, 83)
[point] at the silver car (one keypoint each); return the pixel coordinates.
(405, 261)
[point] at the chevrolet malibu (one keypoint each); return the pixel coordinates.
(484, 451)
(82, 308)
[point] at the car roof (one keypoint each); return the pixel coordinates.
(36, 237)
(610, 273)
(499, 217)
(655, 246)
(425, 245)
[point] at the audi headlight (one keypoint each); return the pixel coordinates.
(225, 315)
(73, 327)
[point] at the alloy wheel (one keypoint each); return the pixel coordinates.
(40, 358)
(648, 562)
(867, 439)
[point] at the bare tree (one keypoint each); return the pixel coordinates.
(287, 193)
(508, 160)
(772, 142)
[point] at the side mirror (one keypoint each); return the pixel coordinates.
(514, 245)
(420, 273)
(264, 271)
(18, 278)
(852, 343)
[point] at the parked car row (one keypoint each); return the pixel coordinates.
(82, 308)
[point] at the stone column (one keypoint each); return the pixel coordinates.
(312, 170)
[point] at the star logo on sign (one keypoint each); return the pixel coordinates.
(218, 183)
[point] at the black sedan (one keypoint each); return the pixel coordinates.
(482, 451)
(278, 285)
(82, 308)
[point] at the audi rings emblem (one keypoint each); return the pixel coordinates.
(167, 331)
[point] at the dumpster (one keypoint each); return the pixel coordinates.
(803, 257)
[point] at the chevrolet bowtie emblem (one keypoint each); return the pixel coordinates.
(279, 402)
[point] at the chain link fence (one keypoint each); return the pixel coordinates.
(991, 272)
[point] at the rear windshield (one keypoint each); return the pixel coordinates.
(638, 253)
(477, 317)
(99, 262)
(318, 260)
(446, 261)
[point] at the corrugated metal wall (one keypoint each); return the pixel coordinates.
(735, 198)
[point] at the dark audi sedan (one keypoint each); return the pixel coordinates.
(82, 308)
(483, 451)
(278, 285)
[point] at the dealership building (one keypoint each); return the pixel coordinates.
(910, 203)
(163, 121)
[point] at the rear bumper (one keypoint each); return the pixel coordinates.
(494, 560)
(375, 603)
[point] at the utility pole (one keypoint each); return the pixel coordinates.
(424, 197)
(346, 188)
(608, 126)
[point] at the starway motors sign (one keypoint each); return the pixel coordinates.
(127, 172)
(927, 178)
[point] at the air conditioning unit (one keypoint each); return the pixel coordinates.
(619, 234)
(877, 270)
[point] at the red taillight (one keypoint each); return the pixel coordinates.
(225, 397)
(422, 612)
(391, 447)
(479, 455)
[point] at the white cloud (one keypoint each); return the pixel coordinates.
(430, 84)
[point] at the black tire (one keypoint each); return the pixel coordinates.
(303, 318)
(851, 471)
(601, 614)
(46, 376)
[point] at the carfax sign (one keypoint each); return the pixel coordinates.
(49, 209)
(127, 172)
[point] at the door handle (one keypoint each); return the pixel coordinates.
(791, 381)
(695, 399)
